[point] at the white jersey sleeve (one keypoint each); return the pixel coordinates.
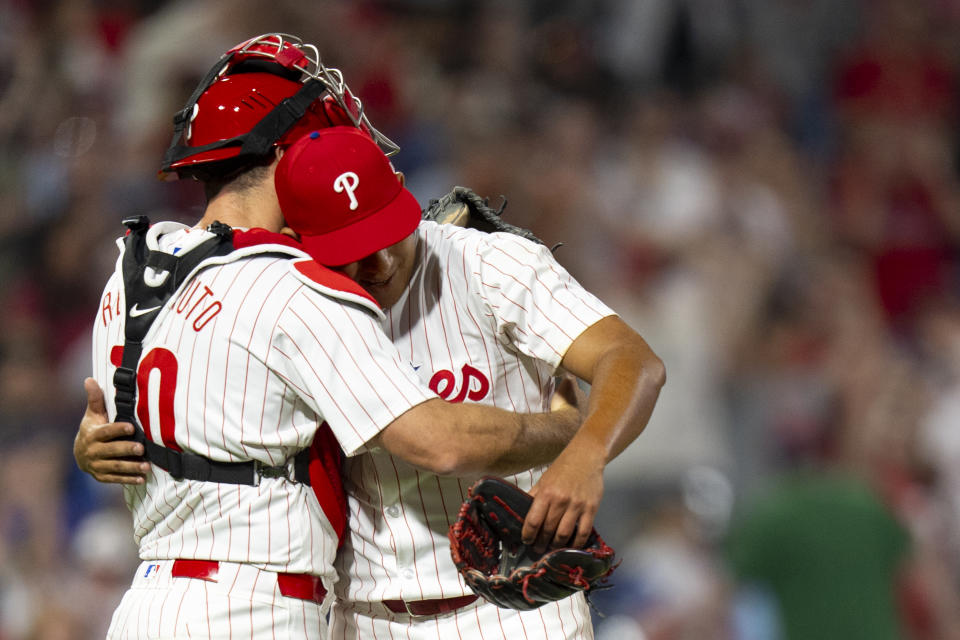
(537, 306)
(344, 367)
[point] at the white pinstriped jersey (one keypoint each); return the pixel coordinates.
(245, 361)
(487, 318)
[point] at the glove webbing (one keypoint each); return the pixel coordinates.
(136, 258)
(491, 217)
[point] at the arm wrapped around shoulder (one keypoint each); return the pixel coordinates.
(487, 549)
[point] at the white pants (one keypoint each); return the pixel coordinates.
(568, 619)
(243, 602)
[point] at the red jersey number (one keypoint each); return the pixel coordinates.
(164, 363)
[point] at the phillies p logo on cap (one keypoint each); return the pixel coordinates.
(338, 190)
(346, 183)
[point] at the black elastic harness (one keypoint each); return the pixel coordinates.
(261, 138)
(149, 300)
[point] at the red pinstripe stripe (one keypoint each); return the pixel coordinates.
(275, 329)
(542, 621)
(499, 621)
(251, 287)
(547, 344)
(319, 379)
(206, 603)
(176, 617)
(153, 604)
(376, 473)
(270, 512)
(188, 436)
(519, 369)
(253, 588)
(355, 571)
(183, 540)
(443, 503)
(580, 294)
(280, 410)
(290, 528)
(409, 326)
(384, 377)
(456, 300)
(273, 613)
(415, 319)
(403, 510)
(148, 496)
(522, 625)
(206, 379)
(229, 613)
(544, 315)
(443, 327)
(290, 383)
(303, 616)
(139, 610)
(486, 352)
(561, 275)
(249, 529)
(197, 532)
(360, 333)
(573, 614)
(456, 623)
(170, 510)
(312, 537)
(220, 512)
(506, 381)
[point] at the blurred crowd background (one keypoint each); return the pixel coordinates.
(767, 190)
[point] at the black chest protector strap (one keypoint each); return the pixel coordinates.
(143, 303)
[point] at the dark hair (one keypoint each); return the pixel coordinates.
(249, 175)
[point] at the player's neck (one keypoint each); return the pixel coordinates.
(257, 208)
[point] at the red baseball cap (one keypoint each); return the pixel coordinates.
(338, 190)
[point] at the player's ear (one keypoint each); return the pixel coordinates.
(402, 178)
(287, 231)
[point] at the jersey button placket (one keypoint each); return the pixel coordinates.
(404, 560)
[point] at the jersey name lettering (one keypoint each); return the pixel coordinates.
(197, 304)
(110, 307)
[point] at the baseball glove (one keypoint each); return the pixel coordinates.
(486, 546)
(464, 208)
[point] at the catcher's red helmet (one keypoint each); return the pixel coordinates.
(264, 92)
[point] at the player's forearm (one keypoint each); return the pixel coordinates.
(459, 439)
(537, 440)
(625, 387)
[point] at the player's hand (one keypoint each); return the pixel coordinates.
(566, 499)
(96, 448)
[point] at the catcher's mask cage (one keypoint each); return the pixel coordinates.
(310, 88)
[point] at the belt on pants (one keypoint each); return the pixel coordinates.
(428, 607)
(293, 585)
